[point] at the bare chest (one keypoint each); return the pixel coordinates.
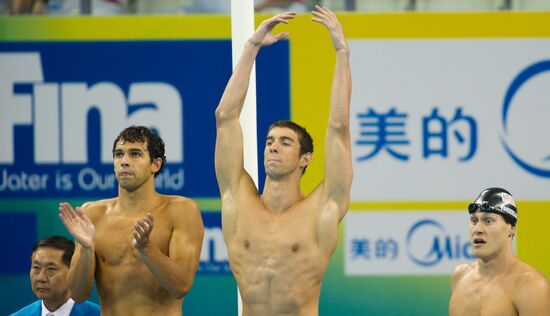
(114, 237)
(281, 249)
(283, 235)
(482, 298)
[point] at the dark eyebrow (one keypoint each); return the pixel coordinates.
(118, 150)
(282, 138)
(286, 138)
(46, 264)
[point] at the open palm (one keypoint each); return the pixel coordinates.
(78, 224)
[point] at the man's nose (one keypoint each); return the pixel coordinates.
(477, 227)
(42, 276)
(124, 160)
(274, 148)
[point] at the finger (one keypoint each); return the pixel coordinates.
(66, 207)
(144, 227)
(287, 15)
(64, 220)
(317, 13)
(281, 35)
(148, 221)
(324, 12)
(321, 9)
(81, 215)
(138, 228)
(78, 211)
(150, 218)
(281, 20)
(283, 17)
(66, 213)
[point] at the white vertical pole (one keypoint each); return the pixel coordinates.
(242, 27)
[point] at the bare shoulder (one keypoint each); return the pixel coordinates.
(461, 271)
(181, 206)
(179, 202)
(96, 209)
(528, 278)
(532, 290)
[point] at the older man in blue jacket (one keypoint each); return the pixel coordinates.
(50, 261)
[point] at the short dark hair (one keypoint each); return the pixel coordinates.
(305, 140)
(142, 134)
(57, 242)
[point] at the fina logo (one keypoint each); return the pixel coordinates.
(58, 112)
(540, 167)
(64, 149)
(428, 244)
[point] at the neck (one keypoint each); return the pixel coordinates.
(497, 264)
(143, 198)
(53, 305)
(281, 194)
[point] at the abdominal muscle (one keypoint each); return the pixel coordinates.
(278, 273)
(129, 288)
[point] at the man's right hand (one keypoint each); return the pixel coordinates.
(330, 21)
(263, 36)
(78, 224)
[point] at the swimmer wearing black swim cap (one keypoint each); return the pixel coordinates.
(497, 283)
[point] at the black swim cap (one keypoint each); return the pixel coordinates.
(496, 200)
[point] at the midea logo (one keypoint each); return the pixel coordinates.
(539, 166)
(428, 243)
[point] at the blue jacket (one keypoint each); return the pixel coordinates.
(82, 309)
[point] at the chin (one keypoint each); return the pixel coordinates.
(127, 187)
(274, 175)
(41, 296)
(483, 255)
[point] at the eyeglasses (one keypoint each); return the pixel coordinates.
(486, 207)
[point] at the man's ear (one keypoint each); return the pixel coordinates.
(305, 160)
(512, 231)
(156, 165)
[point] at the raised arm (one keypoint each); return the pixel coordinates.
(338, 164)
(229, 138)
(176, 270)
(82, 269)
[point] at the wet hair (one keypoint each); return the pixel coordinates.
(498, 201)
(142, 134)
(57, 242)
(305, 140)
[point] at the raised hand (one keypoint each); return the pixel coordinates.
(142, 230)
(263, 35)
(330, 21)
(78, 224)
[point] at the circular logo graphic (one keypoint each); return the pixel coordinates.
(541, 169)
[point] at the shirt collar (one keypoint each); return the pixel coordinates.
(63, 310)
